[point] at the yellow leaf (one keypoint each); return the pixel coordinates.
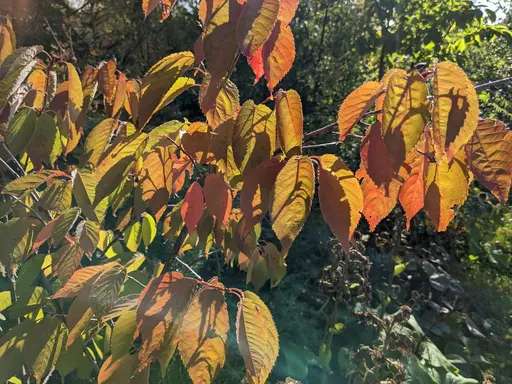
(254, 137)
(289, 122)
(455, 114)
(97, 142)
(356, 105)
(256, 22)
(19, 130)
(105, 289)
(278, 54)
(404, 115)
(291, 200)
(6, 41)
(399, 268)
(341, 198)
(133, 236)
(148, 229)
(122, 335)
(446, 187)
(257, 338)
(203, 335)
(489, 155)
(218, 99)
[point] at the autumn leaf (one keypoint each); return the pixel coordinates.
(289, 122)
(122, 335)
(45, 145)
(16, 236)
(356, 105)
(156, 179)
(257, 338)
(218, 198)
(88, 235)
(489, 157)
(219, 40)
(254, 136)
(375, 157)
(80, 279)
(117, 371)
(256, 22)
(404, 115)
(203, 335)
(158, 81)
(275, 263)
(197, 142)
(66, 260)
(19, 130)
(131, 102)
(97, 141)
(57, 196)
(107, 80)
(218, 99)
(291, 200)
(455, 113)
(192, 207)
(446, 187)
(278, 54)
(106, 288)
(341, 199)
(287, 10)
(256, 192)
(148, 229)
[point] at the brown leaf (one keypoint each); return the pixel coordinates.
(218, 198)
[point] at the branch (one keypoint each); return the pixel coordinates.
(180, 147)
(189, 268)
(481, 87)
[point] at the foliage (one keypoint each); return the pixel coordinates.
(78, 204)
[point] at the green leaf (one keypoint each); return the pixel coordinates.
(97, 142)
(29, 304)
(5, 300)
(399, 268)
(69, 360)
(148, 229)
(28, 274)
(11, 350)
(57, 197)
(46, 143)
(63, 224)
(16, 237)
(133, 235)
(106, 288)
(24, 185)
(122, 336)
(43, 346)
(20, 130)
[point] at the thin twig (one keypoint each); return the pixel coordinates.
(13, 158)
(481, 87)
(180, 147)
(189, 268)
(30, 208)
(49, 375)
(9, 168)
(137, 281)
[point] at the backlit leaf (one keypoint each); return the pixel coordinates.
(489, 154)
(173, 222)
(27, 183)
(131, 103)
(11, 349)
(107, 80)
(97, 142)
(16, 237)
(20, 129)
(63, 224)
(46, 143)
(218, 198)
(57, 196)
(206, 9)
(106, 288)
(80, 279)
(278, 54)
(88, 235)
(133, 236)
(287, 10)
(148, 229)
(156, 179)
(256, 22)
(375, 158)
(44, 347)
(218, 99)
(257, 338)
(291, 200)
(341, 199)
(289, 122)
(6, 42)
(157, 82)
(203, 335)
(118, 371)
(192, 207)
(357, 103)
(276, 264)
(256, 192)
(122, 336)
(404, 115)
(66, 260)
(446, 187)
(455, 114)
(254, 137)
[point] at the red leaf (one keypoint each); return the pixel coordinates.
(192, 208)
(218, 198)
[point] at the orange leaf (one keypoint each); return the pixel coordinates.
(218, 198)
(490, 157)
(375, 156)
(404, 115)
(207, 8)
(341, 199)
(179, 169)
(455, 114)
(192, 208)
(291, 200)
(80, 279)
(278, 54)
(107, 80)
(447, 187)
(118, 371)
(287, 10)
(256, 22)
(157, 179)
(356, 105)
(197, 142)
(256, 192)
(44, 235)
(256, 63)
(289, 122)
(257, 338)
(218, 99)
(203, 335)
(131, 102)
